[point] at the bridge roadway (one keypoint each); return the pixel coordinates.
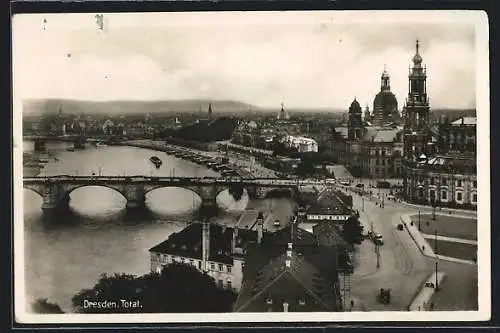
(95, 180)
(55, 190)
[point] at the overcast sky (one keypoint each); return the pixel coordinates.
(320, 59)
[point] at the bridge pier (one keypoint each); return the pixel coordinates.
(40, 145)
(136, 200)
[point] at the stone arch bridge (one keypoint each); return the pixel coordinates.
(55, 190)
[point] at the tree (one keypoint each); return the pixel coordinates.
(352, 231)
(42, 305)
(178, 288)
(305, 168)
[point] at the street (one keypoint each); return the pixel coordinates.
(402, 267)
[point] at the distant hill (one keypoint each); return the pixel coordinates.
(34, 107)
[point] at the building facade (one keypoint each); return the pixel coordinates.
(444, 181)
(217, 250)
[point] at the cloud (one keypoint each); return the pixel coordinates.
(301, 64)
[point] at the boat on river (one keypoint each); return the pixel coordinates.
(156, 161)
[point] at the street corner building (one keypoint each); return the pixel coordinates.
(291, 271)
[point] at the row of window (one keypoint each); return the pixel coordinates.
(459, 196)
(328, 217)
(446, 182)
(300, 301)
(197, 263)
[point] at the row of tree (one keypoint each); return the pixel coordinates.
(179, 288)
(204, 131)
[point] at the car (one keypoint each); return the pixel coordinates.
(378, 239)
(360, 185)
(383, 184)
(276, 223)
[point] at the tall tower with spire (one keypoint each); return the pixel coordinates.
(416, 109)
(354, 122)
(210, 110)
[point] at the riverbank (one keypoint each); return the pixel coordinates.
(243, 168)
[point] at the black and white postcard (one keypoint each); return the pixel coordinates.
(251, 167)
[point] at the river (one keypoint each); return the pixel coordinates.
(65, 254)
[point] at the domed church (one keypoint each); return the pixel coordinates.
(385, 105)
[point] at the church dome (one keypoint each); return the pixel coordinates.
(386, 99)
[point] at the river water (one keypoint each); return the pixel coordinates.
(65, 254)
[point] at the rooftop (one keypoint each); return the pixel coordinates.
(187, 242)
(465, 121)
(292, 279)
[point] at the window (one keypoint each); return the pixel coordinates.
(269, 301)
(199, 264)
(221, 283)
(191, 262)
(221, 267)
(474, 197)
(212, 267)
(474, 184)
(431, 180)
(229, 285)
(459, 196)
(444, 182)
(302, 302)
(432, 194)
(459, 183)
(443, 195)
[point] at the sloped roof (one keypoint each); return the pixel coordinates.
(187, 242)
(380, 134)
(302, 280)
(327, 234)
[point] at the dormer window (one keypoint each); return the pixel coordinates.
(302, 302)
(184, 247)
(269, 301)
(172, 245)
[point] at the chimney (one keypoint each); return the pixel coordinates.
(289, 251)
(205, 245)
(233, 242)
(260, 230)
(462, 120)
(285, 307)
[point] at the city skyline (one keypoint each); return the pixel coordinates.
(303, 62)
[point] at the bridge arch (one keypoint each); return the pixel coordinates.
(36, 189)
(117, 189)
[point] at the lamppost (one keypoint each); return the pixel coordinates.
(419, 227)
(436, 252)
(363, 203)
(433, 204)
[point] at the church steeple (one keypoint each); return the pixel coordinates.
(385, 82)
(210, 109)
